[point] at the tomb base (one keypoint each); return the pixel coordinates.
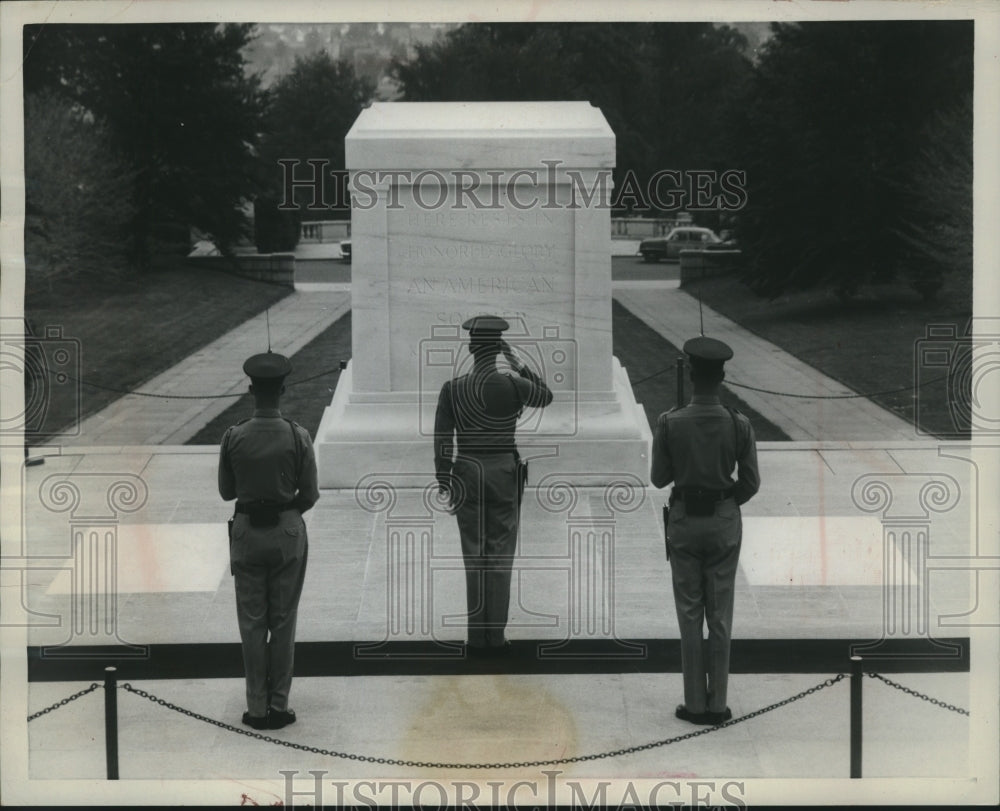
(582, 438)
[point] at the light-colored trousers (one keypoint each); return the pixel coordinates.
(704, 553)
(487, 513)
(269, 566)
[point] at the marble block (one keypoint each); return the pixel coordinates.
(468, 208)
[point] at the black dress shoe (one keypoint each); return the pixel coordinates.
(255, 721)
(477, 651)
(716, 718)
(276, 719)
(498, 651)
(685, 714)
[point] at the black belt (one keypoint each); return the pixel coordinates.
(481, 450)
(683, 493)
(254, 506)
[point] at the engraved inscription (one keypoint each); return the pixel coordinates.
(477, 250)
(486, 285)
(448, 265)
(445, 219)
(456, 317)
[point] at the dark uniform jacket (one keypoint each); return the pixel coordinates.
(482, 408)
(275, 465)
(701, 444)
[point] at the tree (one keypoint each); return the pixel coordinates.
(936, 226)
(695, 87)
(178, 104)
(662, 87)
(591, 62)
(831, 134)
(77, 192)
(310, 111)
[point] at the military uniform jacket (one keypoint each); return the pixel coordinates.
(481, 409)
(701, 444)
(268, 459)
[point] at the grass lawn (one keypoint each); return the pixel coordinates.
(640, 349)
(870, 344)
(126, 331)
(304, 400)
(650, 361)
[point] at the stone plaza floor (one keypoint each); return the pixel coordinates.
(877, 543)
(847, 543)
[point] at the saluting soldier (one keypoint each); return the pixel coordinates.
(268, 465)
(478, 468)
(697, 448)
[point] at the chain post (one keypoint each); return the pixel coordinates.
(856, 719)
(111, 721)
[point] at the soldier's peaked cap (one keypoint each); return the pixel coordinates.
(485, 326)
(267, 366)
(707, 350)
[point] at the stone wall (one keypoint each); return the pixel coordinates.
(273, 268)
(522, 236)
(701, 264)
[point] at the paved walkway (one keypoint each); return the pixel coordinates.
(674, 314)
(811, 569)
(214, 369)
(300, 317)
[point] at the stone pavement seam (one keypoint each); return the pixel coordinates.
(213, 369)
(301, 316)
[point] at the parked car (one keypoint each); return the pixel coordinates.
(345, 250)
(686, 237)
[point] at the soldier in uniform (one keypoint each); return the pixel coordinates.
(479, 470)
(697, 448)
(267, 464)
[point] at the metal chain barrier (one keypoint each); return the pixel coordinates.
(915, 694)
(727, 382)
(419, 764)
(64, 702)
(92, 385)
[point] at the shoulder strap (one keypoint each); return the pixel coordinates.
(224, 443)
(736, 427)
(298, 450)
(669, 411)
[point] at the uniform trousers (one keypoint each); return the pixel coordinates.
(704, 553)
(487, 513)
(269, 566)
